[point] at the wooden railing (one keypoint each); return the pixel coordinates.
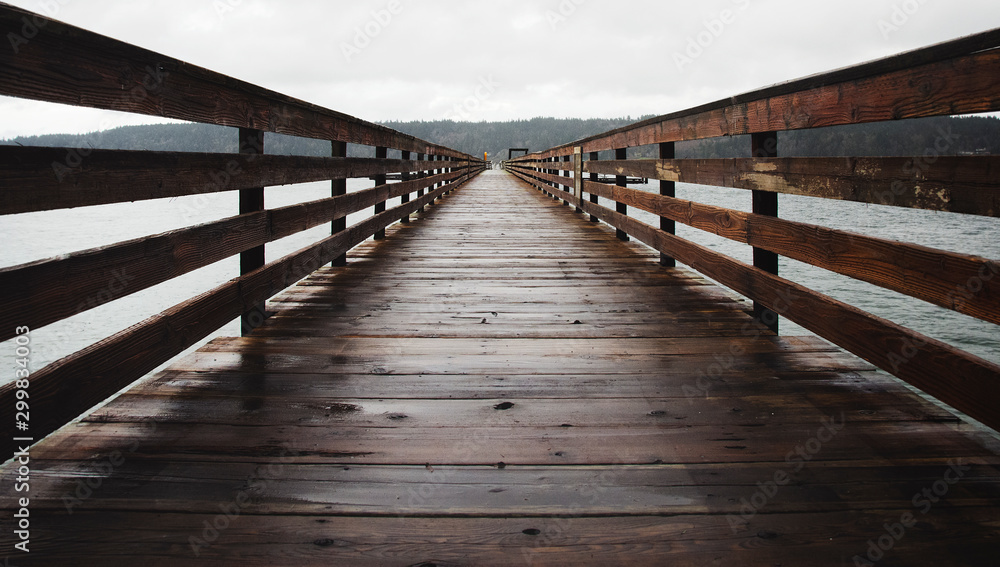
(55, 62)
(955, 78)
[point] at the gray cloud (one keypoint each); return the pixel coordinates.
(566, 58)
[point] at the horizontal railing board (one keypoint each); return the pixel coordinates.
(958, 184)
(47, 291)
(958, 378)
(63, 390)
(65, 64)
(39, 179)
(964, 85)
(932, 275)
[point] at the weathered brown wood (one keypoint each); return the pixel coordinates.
(251, 145)
(405, 198)
(965, 381)
(33, 179)
(381, 152)
(667, 189)
(338, 188)
(765, 204)
(346, 432)
(64, 389)
(651, 541)
(65, 64)
(957, 184)
(47, 291)
(932, 275)
(954, 78)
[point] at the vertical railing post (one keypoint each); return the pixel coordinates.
(405, 198)
(380, 153)
(566, 173)
(765, 145)
(621, 181)
(578, 176)
(594, 156)
(251, 145)
(667, 189)
(422, 174)
(339, 187)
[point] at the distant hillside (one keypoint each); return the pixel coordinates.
(944, 135)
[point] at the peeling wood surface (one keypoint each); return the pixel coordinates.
(517, 388)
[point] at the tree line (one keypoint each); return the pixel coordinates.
(940, 135)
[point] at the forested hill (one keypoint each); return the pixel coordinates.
(943, 135)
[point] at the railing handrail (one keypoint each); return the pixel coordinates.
(63, 64)
(958, 77)
(97, 71)
(731, 116)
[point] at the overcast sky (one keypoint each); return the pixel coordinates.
(503, 59)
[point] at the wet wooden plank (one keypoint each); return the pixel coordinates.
(686, 540)
(350, 431)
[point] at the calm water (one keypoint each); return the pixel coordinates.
(958, 233)
(34, 236)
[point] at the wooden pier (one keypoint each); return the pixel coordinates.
(549, 397)
(510, 372)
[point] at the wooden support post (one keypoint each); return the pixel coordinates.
(422, 174)
(765, 145)
(594, 156)
(251, 200)
(621, 181)
(578, 176)
(403, 199)
(339, 187)
(668, 189)
(380, 153)
(566, 173)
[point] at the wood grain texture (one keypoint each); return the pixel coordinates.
(63, 390)
(389, 413)
(957, 184)
(41, 179)
(65, 64)
(929, 274)
(47, 291)
(954, 376)
(959, 77)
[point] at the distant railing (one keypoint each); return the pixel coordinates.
(959, 77)
(55, 62)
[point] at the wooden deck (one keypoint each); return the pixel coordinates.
(502, 382)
